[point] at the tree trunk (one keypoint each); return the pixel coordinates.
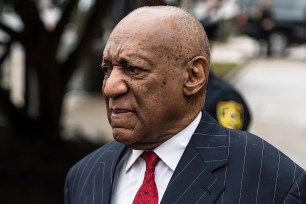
(51, 88)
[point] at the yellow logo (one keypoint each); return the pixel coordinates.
(230, 114)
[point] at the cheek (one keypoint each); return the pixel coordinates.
(154, 94)
(149, 100)
(156, 99)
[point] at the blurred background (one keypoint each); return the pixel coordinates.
(52, 111)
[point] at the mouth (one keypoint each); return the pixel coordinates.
(118, 111)
(121, 117)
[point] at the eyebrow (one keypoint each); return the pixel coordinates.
(126, 58)
(137, 56)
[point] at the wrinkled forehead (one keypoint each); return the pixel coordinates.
(143, 33)
(143, 27)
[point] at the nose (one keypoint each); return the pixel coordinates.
(114, 84)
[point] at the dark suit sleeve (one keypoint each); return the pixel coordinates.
(297, 192)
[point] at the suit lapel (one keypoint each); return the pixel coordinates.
(198, 176)
(103, 176)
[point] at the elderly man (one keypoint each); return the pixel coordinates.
(167, 150)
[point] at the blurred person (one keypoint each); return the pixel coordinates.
(223, 101)
(264, 20)
(167, 149)
(259, 25)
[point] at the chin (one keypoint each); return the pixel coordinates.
(124, 136)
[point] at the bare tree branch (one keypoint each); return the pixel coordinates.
(90, 32)
(6, 53)
(13, 34)
(66, 14)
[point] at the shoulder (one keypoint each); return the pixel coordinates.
(254, 148)
(244, 150)
(256, 160)
(248, 151)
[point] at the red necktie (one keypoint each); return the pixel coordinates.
(147, 193)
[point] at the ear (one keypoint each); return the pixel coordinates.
(196, 75)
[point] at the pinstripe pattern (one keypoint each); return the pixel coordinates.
(277, 174)
(206, 191)
(191, 185)
(294, 172)
(243, 168)
(218, 166)
(90, 180)
(299, 193)
(225, 173)
(89, 172)
(259, 177)
(174, 178)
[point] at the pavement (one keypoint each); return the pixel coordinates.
(274, 88)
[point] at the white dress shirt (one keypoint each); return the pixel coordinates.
(130, 170)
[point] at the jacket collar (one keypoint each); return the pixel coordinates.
(196, 176)
(102, 180)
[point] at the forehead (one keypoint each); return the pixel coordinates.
(140, 35)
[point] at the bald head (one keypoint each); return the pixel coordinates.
(176, 30)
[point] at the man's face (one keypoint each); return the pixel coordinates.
(143, 85)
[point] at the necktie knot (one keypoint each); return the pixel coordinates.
(151, 160)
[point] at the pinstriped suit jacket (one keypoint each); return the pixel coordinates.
(218, 166)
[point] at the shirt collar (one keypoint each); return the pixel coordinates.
(172, 150)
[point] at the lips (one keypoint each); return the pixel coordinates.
(119, 111)
(122, 118)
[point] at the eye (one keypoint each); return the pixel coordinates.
(106, 69)
(133, 69)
